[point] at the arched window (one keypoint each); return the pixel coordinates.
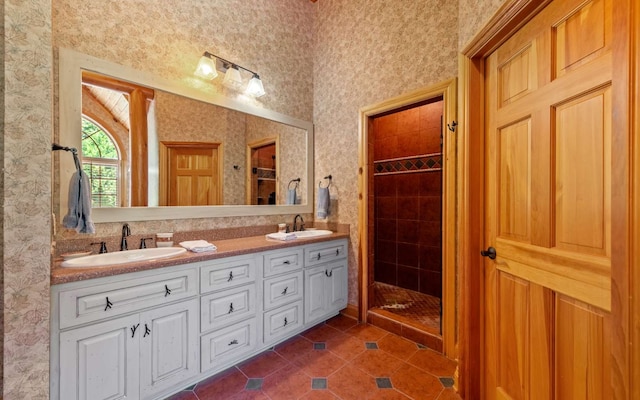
(101, 162)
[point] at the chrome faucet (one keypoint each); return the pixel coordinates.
(295, 223)
(125, 232)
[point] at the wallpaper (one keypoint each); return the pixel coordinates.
(368, 51)
(319, 61)
(26, 239)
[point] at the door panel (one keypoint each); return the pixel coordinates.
(548, 206)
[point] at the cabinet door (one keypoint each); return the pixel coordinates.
(315, 293)
(168, 346)
(337, 287)
(100, 361)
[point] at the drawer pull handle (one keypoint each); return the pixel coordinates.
(285, 290)
(234, 341)
(286, 262)
(285, 321)
(230, 276)
(109, 304)
(133, 330)
(319, 256)
(230, 308)
(167, 291)
(337, 252)
(328, 273)
(147, 331)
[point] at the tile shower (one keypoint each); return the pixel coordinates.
(407, 182)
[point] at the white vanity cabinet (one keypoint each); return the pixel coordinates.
(129, 357)
(325, 280)
(145, 335)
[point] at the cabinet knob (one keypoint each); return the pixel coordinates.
(167, 291)
(147, 331)
(319, 256)
(285, 290)
(230, 308)
(337, 252)
(285, 321)
(328, 273)
(108, 305)
(286, 262)
(230, 276)
(234, 341)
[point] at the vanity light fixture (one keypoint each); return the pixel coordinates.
(210, 64)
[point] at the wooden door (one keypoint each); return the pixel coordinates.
(549, 165)
(193, 177)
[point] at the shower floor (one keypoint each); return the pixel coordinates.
(407, 304)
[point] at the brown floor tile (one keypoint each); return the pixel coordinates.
(221, 386)
(398, 346)
(366, 332)
(416, 383)
(263, 365)
(342, 322)
(290, 383)
(319, 363)
(349, 383)
(294, 347)
(434, 363)
(377, 363)
(449, 394)
(321, 333)
(183, 396)
(387, 394)
(248, 395)
(346, 347)
(319, 395)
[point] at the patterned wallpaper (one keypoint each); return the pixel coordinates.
(362, 52)
(368, 51)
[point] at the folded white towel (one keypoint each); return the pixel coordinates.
(198, 246)
(281, 236)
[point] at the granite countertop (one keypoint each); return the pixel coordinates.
(226, 248)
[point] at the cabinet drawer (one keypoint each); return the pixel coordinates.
(282, 261)
(227, 274)
(282, 322)
(324, 252)
(220, 348)
(78, 306)
(221, 309)
(282, 289)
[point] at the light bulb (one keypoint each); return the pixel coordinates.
(206, 68)
(255, 87)
(232, 78)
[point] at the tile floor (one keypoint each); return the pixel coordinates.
(418, 307)
(339, 359)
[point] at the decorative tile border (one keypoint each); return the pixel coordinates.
(426, 162)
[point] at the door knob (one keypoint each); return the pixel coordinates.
(490, 252)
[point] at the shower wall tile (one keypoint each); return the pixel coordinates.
(385, 272)
(408, 184)
(430, 282)
(409, 207)
(408, 255)
(409, 278)
(430, 208)
(386, 229)
(430, 258)
(431, 184)
(408, 231)
(386, 251)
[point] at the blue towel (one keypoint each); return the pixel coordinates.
(291, 196)
(79, 215)
(323, 203)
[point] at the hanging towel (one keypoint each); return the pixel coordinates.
(291, 196)
(198, 246)
(323, 203)
(79, 215)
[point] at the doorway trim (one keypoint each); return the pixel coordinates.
(446, 90)
(248, 178)
(512, 15)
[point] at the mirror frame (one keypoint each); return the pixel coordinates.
(71, 65)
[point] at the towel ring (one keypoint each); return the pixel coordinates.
(297, 180)
(326, 177)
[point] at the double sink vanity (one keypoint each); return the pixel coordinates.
(149, 325)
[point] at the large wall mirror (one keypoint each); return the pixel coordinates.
(161, 150)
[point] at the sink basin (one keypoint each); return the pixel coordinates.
(123, 257)
(312, 233)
